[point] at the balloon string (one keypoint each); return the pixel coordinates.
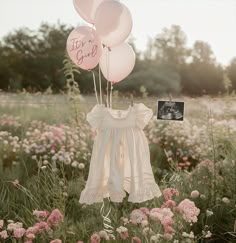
(108, 94)
(95, 88)
(100, 83)
(106, 220)
(107, 61)
(111, 95)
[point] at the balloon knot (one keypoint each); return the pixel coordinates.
(88, 70)
(109, 48)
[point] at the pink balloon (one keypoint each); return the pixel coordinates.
(113, 22)
(84, 47)
(117, 63)
(87, 8)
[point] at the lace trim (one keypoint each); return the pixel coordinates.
(90, 196)
(144, 194)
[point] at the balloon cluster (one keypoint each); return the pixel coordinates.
(104, 42)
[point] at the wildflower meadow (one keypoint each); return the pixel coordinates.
(45, 150)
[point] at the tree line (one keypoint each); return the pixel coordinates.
(33, 60)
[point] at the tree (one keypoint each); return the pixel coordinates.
(202, 75)
(156, 79)
(35, 58)
(170, 47)
(231, 71)
(202, 53)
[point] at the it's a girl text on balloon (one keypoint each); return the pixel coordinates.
(78, 46)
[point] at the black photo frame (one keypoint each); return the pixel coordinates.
(170, 110)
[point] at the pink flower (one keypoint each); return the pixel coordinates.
(95, 238)
(28, 241)
(169, 204)
(30, 236)
(16, 183)
(207, 164)
(168, 193)
(55, 218)
(124, 235)
(56, 241)
(3, 234)
(144, 223)
(1, 223)
(188, 210)
(19, 232)
(40, 226)
(32, 230)
(168, 229)
(166, 221)
(162, 214)
(187, 163)
(40, 214)
(123, 232)
(145, 210)
(195, 194)
(80, 241)
(137, 216)
(136, 240)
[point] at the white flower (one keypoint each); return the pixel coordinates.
(144, 223)
(103, 234)
(202, 196)
(74, 164)
(125, 220)
(81, 166)
(121, 229)
(112, 237)
(45, 162)
(61, 183)
(43, 167)
(208, 234)
(65, 194)
(4, 234)
(225, 200)
(155, 238)
(209, 213)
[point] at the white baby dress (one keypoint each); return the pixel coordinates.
(120, 158)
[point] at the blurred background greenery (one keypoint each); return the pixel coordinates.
(32, 60)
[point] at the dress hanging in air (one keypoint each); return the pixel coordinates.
(120, 158)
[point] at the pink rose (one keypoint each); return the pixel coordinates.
(136, 240)
(56, 241)
(19, 232)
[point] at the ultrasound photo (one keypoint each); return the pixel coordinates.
(170, 110)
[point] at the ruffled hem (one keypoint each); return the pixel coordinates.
(90, 196)
(145, 194)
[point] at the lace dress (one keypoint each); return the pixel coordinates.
(120, 158)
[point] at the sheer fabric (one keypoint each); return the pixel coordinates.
(120, 158)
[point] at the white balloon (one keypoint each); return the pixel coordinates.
(117, 63)
(113, 22)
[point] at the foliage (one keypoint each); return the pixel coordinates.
(33, 60)
(44, 167)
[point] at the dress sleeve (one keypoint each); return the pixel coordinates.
(143, 115)
(94, 117)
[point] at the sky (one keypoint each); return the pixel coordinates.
(212, 21)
